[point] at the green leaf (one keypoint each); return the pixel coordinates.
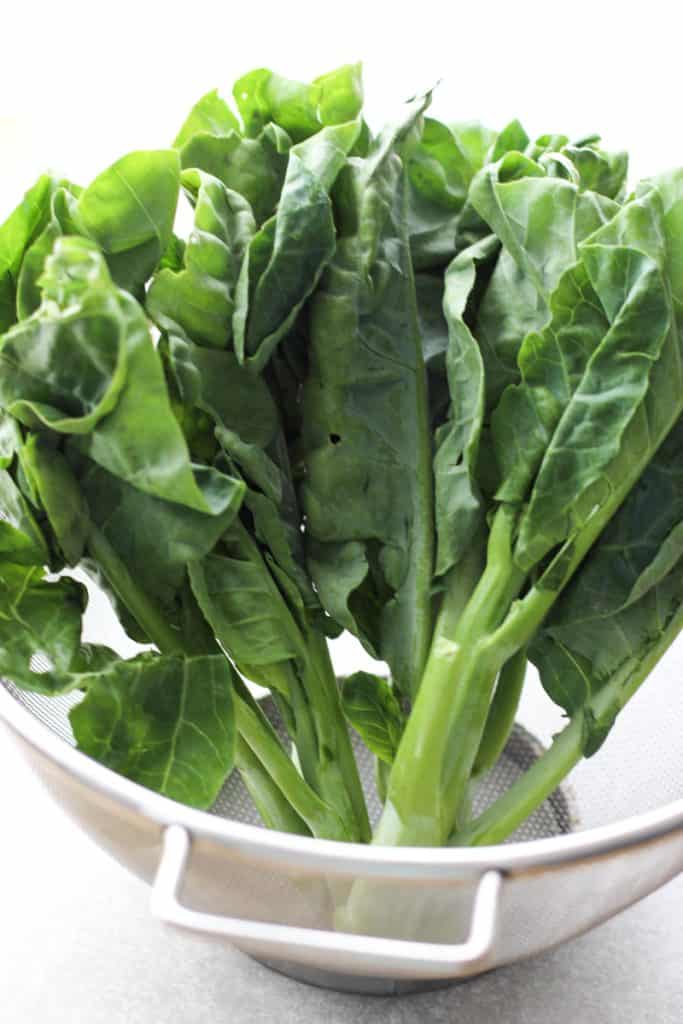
(540, 222)
(165, 722)
(285, 259)
(232, 395)
(459, 508)
(599, 170)
(21, 539)
(253, 167)
(62, 208)
(375, 714)
(275, 521)
(242, 603)
(154, 538)
(17, 233)
(129, 209)
(209, 114)
(59, 495)
(199, 299)
(551, 365)
(38, 618)
(439, 174)
(600, 615)
(301, 110)
(631, 391)
(366, 431)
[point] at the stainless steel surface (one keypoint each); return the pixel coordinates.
(554, 887)
(330, 950)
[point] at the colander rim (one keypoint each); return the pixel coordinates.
(329, 856)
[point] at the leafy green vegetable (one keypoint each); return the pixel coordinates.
(255, 168)
(366, 430)
(18, 232)
(199, 299)
(424, 385)
(164, 722)
(301, 110)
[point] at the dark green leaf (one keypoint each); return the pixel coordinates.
(366, 429)
(59, 495)
(21, 539)
(459, 508)
(164, 722)
(199, 298)
(285, 259)
(631, 391)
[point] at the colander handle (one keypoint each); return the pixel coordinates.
(336, 951)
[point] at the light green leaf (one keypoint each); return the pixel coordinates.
(375, 714)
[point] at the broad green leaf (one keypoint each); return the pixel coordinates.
(40, 627)
(551, 366)
(17, 233)
(624, 598)
(242, 603)
(253, 167)
(154, 538)
(631, 391)
(439, 174)
(285, 259)
(235, 398)
(209, 114)
(129, 209)
(275, 520)
(375, 714)
(165, 722)
(366, 431)
(300, 109)
(540, 221)
(459, 509)
(59, 495)
(199, 299)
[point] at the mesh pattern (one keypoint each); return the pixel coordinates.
(553, 817)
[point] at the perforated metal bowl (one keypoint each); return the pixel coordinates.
(610, 836)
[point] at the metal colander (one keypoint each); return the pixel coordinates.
(611, 834)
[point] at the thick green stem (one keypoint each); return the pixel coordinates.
(527, 794)
(433, 764)
(501, 717)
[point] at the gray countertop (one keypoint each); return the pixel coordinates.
(78, 944)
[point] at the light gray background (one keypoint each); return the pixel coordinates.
(79, 946)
